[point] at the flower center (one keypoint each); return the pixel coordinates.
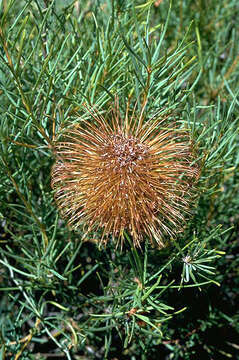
(124, 151)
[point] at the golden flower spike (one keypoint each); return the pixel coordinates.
(120, 174)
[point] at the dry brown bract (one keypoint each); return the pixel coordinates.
(118, 174)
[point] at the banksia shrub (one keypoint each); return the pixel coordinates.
(122, 173)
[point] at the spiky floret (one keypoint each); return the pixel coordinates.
(120, 174)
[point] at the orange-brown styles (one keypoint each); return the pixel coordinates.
(122, 173)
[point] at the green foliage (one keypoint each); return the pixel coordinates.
(66, 297)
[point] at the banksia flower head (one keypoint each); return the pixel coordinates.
(122, 174)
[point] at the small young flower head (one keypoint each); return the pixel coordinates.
(122, 174)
